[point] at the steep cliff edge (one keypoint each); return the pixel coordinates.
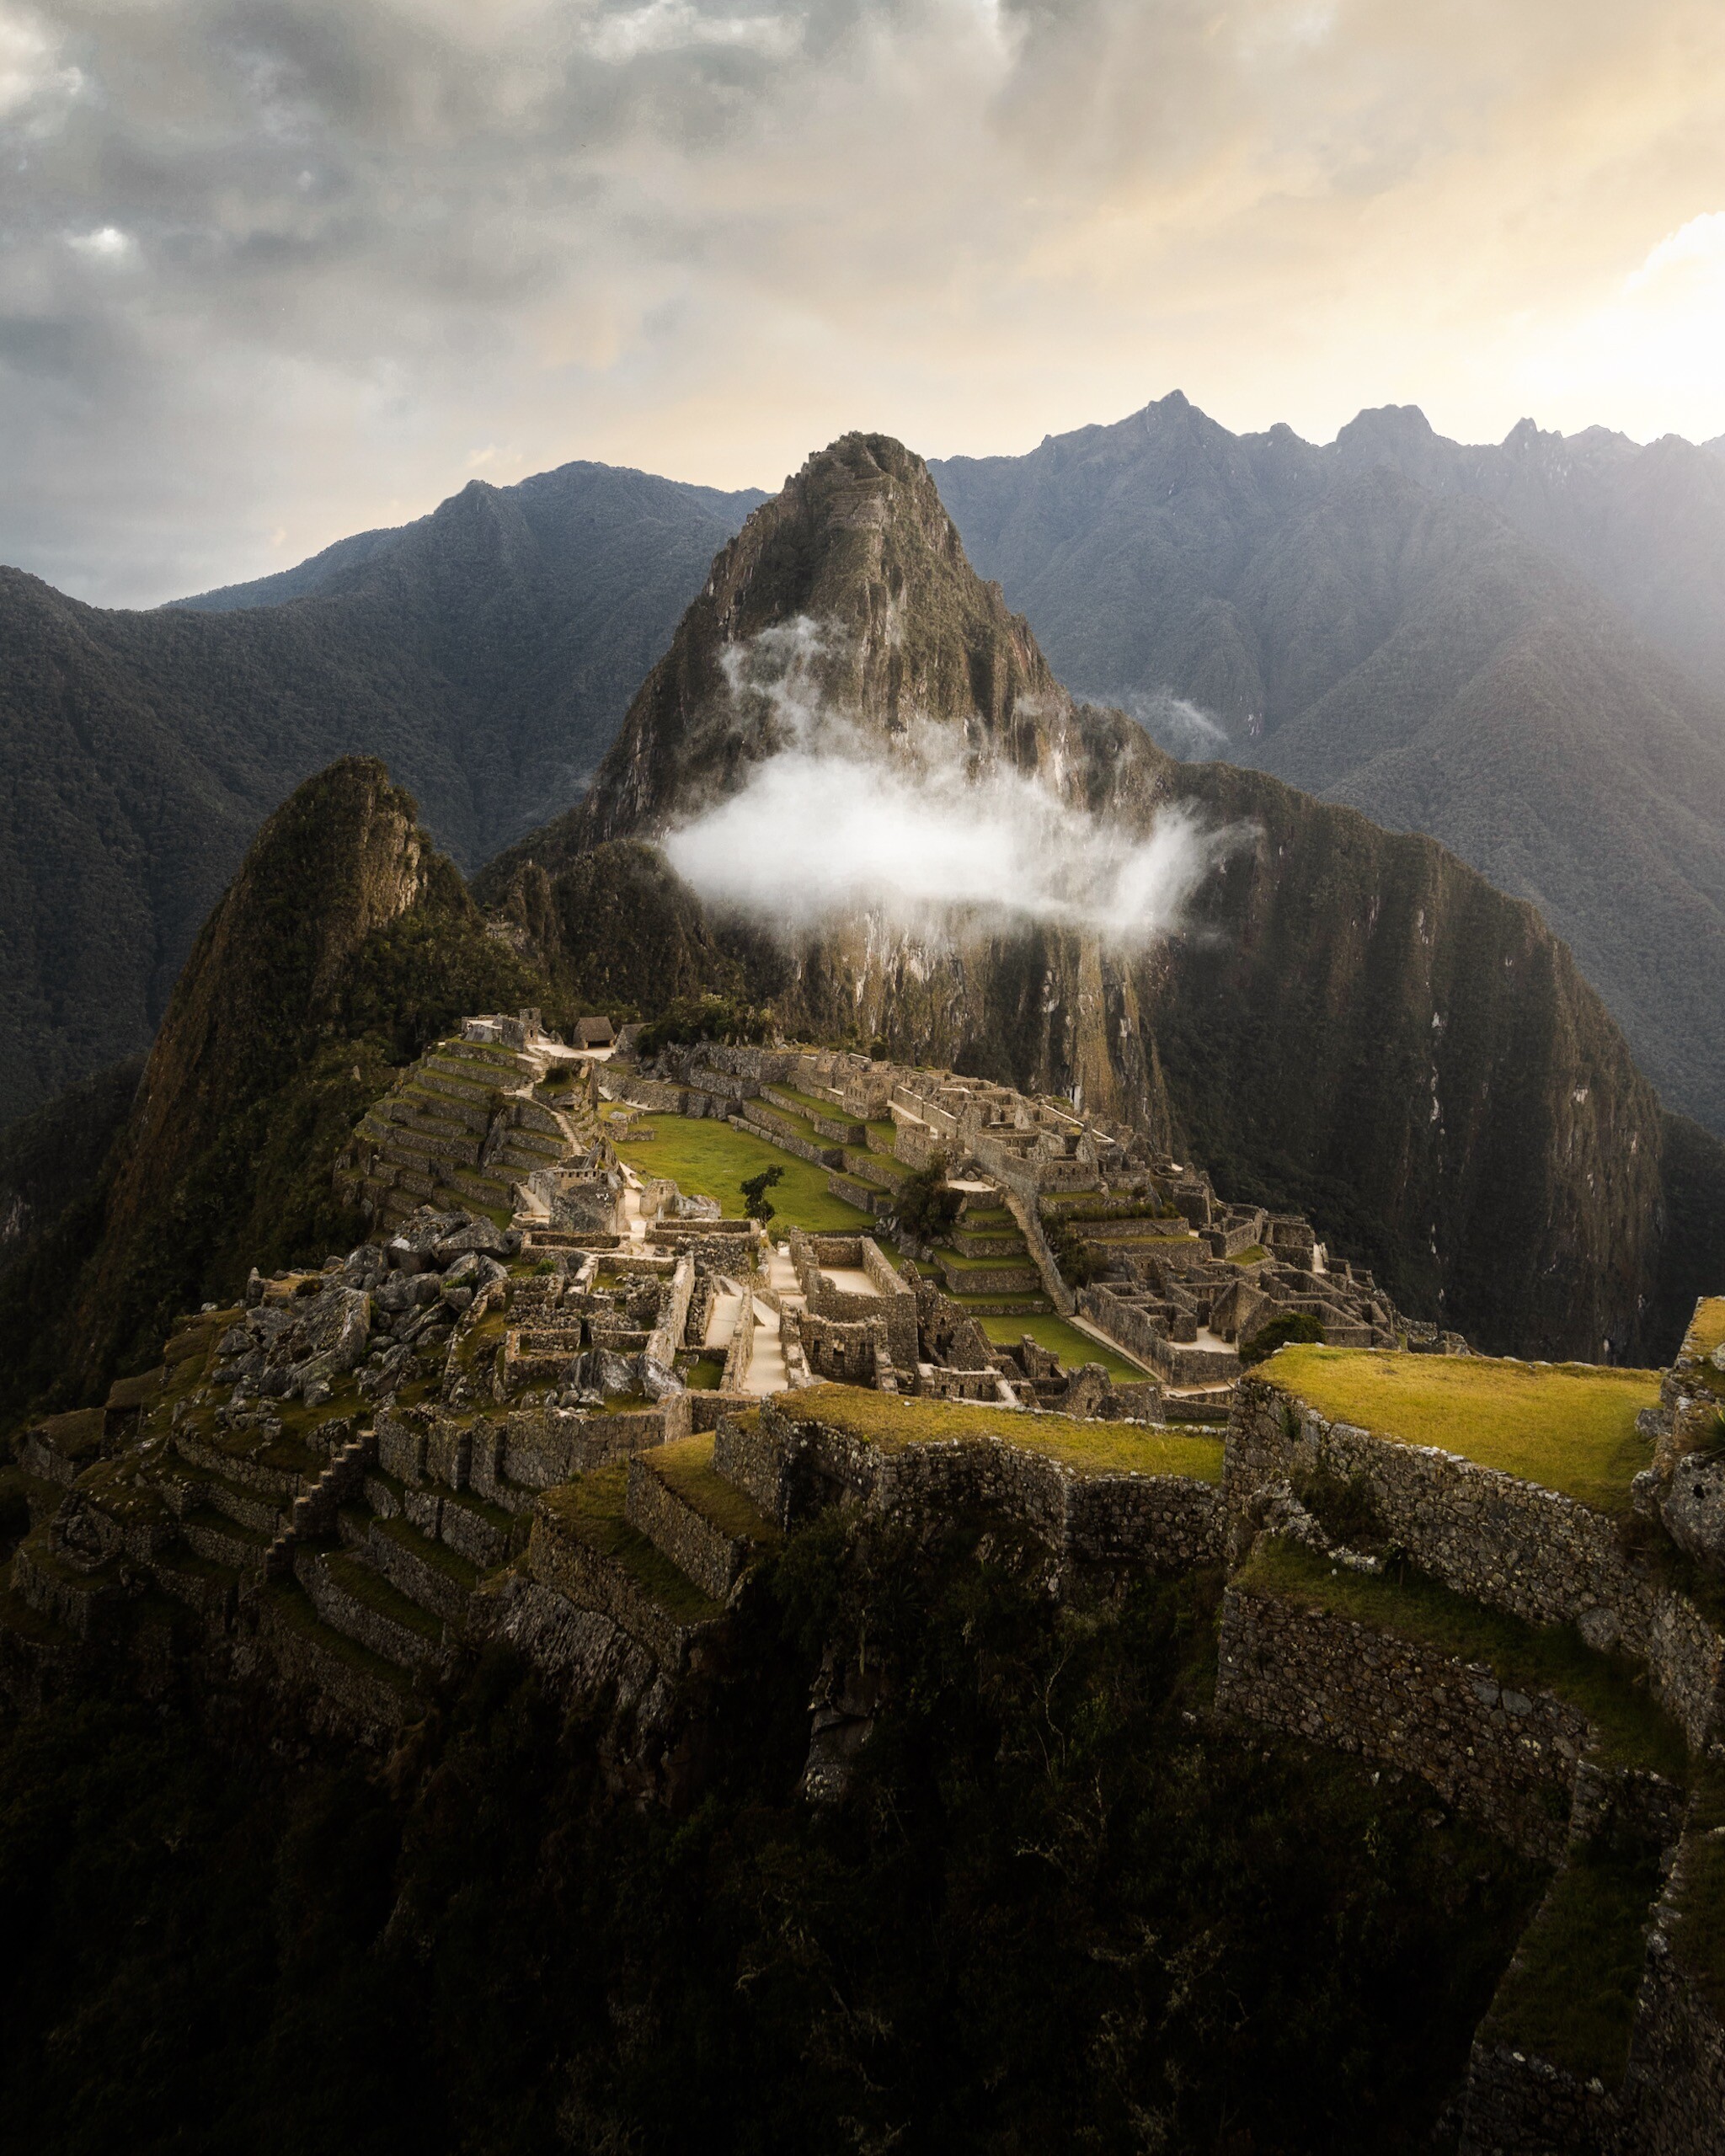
(1350, 1022)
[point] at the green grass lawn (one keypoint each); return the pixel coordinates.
(1708, 1328)
(806, 1105)
(711, 1160)
(1609, 1689)
(1568, 1426)
(1093, 1448)
(1075, 1348)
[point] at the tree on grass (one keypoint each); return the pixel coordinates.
(926, 1207)
(756, 1201)
(1291, 1328)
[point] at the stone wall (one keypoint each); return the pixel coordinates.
(1146, 1341)
(1517, 2105)
(560, 1560)
(895, 1299)
(1677, 2055)
(789, 1466)
(761, 1121)
(667, 1335)
(1507, 1760)
(1504, 1542)
(701, 1552)
(740, 1353)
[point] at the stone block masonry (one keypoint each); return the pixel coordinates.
(1677, 2056)
(700, 1550)
(1504, 1542)
(787, 1466)
(1505, 1759)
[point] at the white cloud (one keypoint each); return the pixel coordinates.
(106, 244)
(32, 73)
(707, 236)
(676, 25)
(835, 821)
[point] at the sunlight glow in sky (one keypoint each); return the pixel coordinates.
(276, 270)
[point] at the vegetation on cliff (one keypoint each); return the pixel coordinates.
(1061, 1907)
(343, 946)
(1390, 621)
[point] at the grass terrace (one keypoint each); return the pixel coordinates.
(1075, 1348)
(806, 1104)
(1568, 1426)
(685, 1467)
(713, 1159)
(1706, 1329)
(592, 1509)
(879, 1418)
(1609, 1689)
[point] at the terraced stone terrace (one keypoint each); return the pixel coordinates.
(583, 1428)
(1087, 1447)
(1569, 1427)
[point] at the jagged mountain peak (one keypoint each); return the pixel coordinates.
(847, 595)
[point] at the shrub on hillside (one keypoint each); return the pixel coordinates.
(1292, 1328)
(925, 1206)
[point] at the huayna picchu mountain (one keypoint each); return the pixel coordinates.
(1351, 1022)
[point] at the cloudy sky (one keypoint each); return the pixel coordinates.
(274, 270)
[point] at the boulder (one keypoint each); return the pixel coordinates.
(612, 1372)
(1694, 1509)
(480, 1238)
(657, 1382)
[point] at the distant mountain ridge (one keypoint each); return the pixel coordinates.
(1518, 650)
(488, 651)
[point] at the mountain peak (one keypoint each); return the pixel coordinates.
(847, 593)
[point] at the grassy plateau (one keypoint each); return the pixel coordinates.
(1568, 1426)
(711, 1160)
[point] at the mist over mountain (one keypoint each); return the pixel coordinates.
(488, 651)
(1332, 1017)
(1518, 650)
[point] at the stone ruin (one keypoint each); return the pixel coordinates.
(1175, 1280)
(476, 1428)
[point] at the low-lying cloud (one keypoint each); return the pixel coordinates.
(836, 823)
(1185, 729)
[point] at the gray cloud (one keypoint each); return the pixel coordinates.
(271, 270)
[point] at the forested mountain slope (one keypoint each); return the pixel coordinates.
(1520, 650)
(488, 651)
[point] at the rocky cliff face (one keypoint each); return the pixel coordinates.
(1351, 1023)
